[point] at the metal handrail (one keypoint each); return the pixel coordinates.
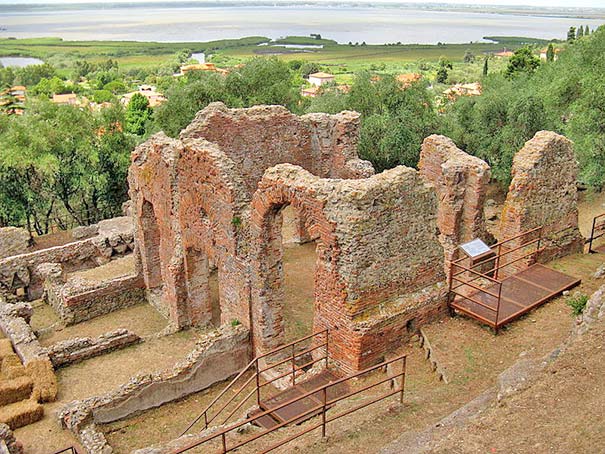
(456, 279)
(592, 231)
(257, 371)
(70, 449)
(325, 403)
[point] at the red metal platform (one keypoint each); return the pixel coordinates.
(524, 285)
(301, 406)
(520, 294)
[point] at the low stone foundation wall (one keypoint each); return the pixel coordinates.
(115, 238)
(75, 350)
(228, 347)
(77, 299)
(14, 324)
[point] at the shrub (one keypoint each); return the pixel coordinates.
(577, 303)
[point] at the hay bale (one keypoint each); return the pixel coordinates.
(21, 413)
(11, 367)
(16, 389)
(45, 381)
(6, 348)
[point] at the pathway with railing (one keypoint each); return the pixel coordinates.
(483, 291)
(304, 398)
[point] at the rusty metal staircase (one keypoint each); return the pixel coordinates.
(296, 399)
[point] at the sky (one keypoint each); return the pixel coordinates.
(548, 3)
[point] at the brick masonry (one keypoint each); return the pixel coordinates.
(461, 183)
(543, 192)
(215, 195)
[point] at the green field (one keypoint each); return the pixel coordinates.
(131, 54)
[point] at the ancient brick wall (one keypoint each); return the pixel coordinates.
(461, 182)
(192, 199)
(114, 238)
(376, 241)
(260, 137)
(543, 192)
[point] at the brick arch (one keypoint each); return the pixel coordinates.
(266, 263)
(211, 199)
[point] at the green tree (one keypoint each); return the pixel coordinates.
(571, 34)
(522, 61)
(485, 66)
(550, 53)
(580, 33)
(469, 57)
(442, 70)
(57, 172)
(138, 114)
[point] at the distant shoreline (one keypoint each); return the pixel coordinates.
(554, 12)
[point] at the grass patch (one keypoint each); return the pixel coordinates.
(577, 303)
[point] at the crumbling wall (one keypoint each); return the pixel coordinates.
(78, 349)
(228, 347)
(76, 299)
(191, 198)
(26, 270)
(543, 192)
(260, 137)
(376, 241)
(461, 183)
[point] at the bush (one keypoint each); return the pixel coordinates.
(577, 303)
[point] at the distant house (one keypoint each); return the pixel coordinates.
(208, 67)
(12, 100)
(504, 54)
(406, 80)
(319, 79)
(67, 99)
(544, 54)
(154, 97)
(458, 90)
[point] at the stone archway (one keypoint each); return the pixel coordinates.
(267, 262)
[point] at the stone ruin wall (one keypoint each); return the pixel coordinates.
(192, 198)
(228, 346)
(366, 229)
(214, 196)
(543, 192)
(113, 238)
(461, 182)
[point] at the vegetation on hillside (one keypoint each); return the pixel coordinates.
(62, 164)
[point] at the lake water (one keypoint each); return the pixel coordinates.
(19, 62)
(343, 23)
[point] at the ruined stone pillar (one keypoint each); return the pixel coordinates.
(461, 182)
(543, 192)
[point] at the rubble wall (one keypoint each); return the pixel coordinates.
(461, 182)
(228, 347)
(543, 192)
(113, 240)
(376, 240)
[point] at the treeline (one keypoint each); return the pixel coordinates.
(566, 95)
(62, 162)
(61, 165)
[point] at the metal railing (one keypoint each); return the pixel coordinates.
(319, 410)
(597, 230)
(258, 369)
(488, 282)
(70, 450)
